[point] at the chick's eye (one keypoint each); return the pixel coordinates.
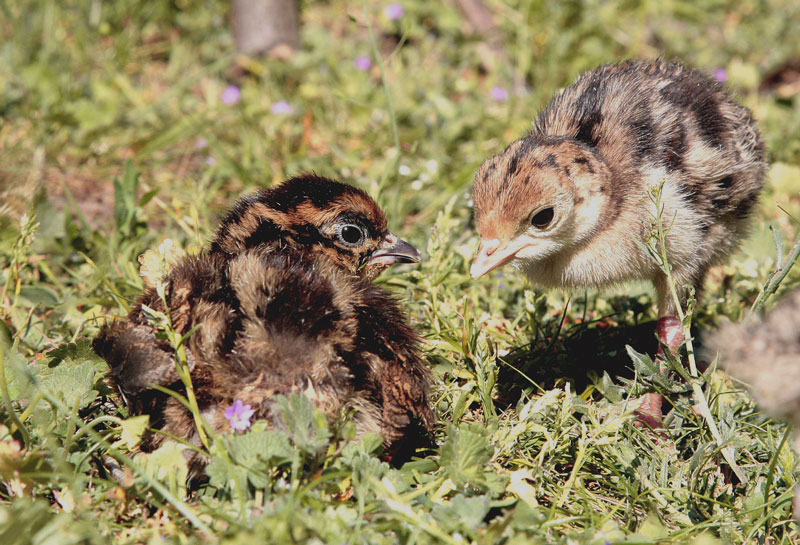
(351, 234)
(542, 218)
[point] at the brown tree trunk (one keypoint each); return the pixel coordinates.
(261, 25)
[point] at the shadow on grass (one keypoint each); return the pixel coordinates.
(580, 354)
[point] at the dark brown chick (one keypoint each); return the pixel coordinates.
(284, 303)
(570, 203)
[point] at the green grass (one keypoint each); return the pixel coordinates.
(103, 105)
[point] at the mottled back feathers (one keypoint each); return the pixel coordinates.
(638, 116)
(590, 165)
(282, 303)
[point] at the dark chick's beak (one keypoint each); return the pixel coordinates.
(393, 250)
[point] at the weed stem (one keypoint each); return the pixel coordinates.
(727, 451)
(775, 279)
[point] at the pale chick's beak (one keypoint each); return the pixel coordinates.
(394, 250)
(493, 253)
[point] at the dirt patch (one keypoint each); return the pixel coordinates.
(94, 197)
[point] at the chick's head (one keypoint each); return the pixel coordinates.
(319, 217)
(540, 197)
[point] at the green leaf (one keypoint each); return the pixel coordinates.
(305, 425)
(650, 373)
(527, 517)
(147, 197)
(17, 375)
(5, 336)
(133, 429)
(754, 502)
(610, 390)
(369, 469)
(465, 454)
(73, 384)
(167, 464)
(252, 454)
(264, 445)
(9, 233)
(463, 514)
(369, 444)
(39, 295)
(642, 363)
(223, 474)
(77, 352)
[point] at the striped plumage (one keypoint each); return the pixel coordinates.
(303, 214)
(285, 303)
(569, 203)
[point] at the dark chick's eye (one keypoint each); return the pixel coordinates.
(350, 234)
(542, 218)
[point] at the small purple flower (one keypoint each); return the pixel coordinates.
(210, 161)
(363, 63)
(231, 95)
(499, 94)
(239, 415)
(282, 107)
(394, 11)
(721, 75)
(201, 143)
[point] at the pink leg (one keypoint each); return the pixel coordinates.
(648, 415)
(670, 334)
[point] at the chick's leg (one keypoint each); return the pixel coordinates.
(668, 326)
(649, 414)
(670, 334)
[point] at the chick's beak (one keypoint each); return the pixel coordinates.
(493, 253)
(393, 250)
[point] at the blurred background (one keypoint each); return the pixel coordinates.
(88, 85)
(123, 123)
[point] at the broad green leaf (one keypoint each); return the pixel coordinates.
(305, 425)
(462, 513)
(39, 295)
(610, 390)
(465, 454)
(253, 454)
(167, 464)
(77, 352)
(73, 384)
(17, 374)
(132, 430)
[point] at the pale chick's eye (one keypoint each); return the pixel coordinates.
(350, 234)
(542, 218)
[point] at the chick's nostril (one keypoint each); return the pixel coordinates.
(488, 247)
